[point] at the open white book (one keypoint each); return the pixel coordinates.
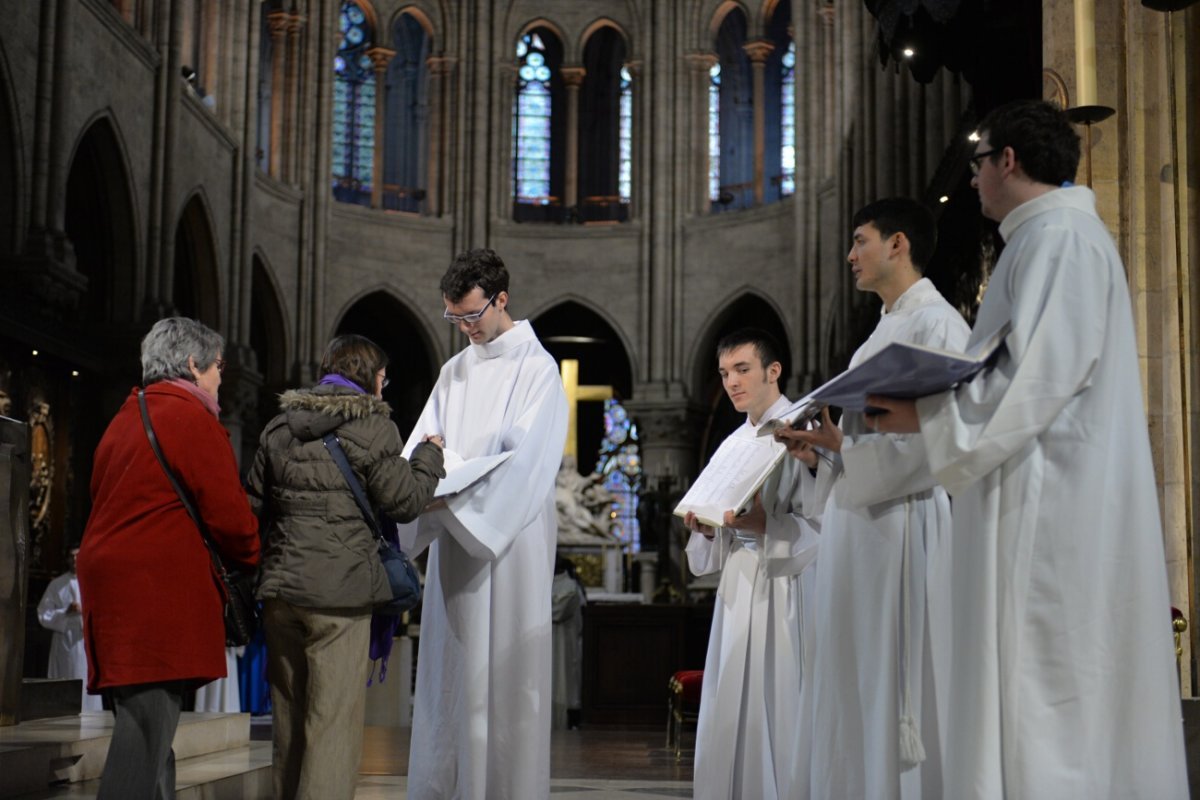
(731, 478)
(462, 472)
(901, 369)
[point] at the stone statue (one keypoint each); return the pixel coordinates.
(583, 506)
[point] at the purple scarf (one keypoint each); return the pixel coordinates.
(337, 380)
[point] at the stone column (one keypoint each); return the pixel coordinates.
(759, 51)
(700, 64)
(380, 57)
(277, 23)
(292, 120)
(439, 68)
(572, 79)
(14, 562)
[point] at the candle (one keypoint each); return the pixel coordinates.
(1085, 53)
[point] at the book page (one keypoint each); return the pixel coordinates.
(461, 473)
(730, 479)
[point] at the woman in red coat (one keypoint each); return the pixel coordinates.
(152, 610)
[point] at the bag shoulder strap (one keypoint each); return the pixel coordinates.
(183, 496)
(334, 446)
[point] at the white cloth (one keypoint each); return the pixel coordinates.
(222, 694)
(1064, 679)
(566, 602)
(751, 705)
(481, 723)
(884, 533)
(68, 657)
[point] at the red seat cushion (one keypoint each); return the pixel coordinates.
(687, 683)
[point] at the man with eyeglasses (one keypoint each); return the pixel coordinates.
(481, 723)
(1063, 681)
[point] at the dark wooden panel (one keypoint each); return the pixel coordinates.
(630, 652)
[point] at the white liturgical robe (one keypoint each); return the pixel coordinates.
(481, 721)
(68, 658)
(751, 705)
(882, 586)
(1064, 677)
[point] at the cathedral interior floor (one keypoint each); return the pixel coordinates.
(592, 763)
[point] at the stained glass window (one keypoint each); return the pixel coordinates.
(531, 123)
(787, 155)
(714, 132)
(620, 465)
(353, 109)
(625, 166)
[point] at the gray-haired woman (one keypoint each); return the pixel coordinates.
(152, 612)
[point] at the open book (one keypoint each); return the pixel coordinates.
(901, 369)
(731, 478)
(462, 472)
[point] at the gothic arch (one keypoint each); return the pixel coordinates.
(100, 220)
(417, 13)
(368, 8)
(195, 283)
(745, 308)
(717, 19)
(541, 22)
(573, 328)
(11, 161)
(594, 27)
(269, 324)
(589, 306)
(388, 320)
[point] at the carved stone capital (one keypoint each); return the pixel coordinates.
(701, 61)
(440, 65)
(277, 24)
(295, 23)
(380, 56)
(759, 50)
(635, 68)
(573, 76)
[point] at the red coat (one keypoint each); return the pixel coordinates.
(151, 609)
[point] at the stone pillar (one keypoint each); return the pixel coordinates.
(241, 384)
(291, 123)
(380, 57)
(759, 51)
(277, 23)
(14, 568)
(700, 64)
(572, 79)
(439, 68)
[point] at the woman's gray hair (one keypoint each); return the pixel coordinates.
(166, 348)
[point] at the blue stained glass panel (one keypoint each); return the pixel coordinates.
(714, 132)
(620, 465)
(625, 136)
(788, 122)
(531, 123)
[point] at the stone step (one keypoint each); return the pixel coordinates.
(242, 773)
(72, 749)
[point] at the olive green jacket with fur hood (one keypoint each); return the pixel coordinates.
(318, 551)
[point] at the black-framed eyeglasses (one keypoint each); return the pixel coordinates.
(469, 319)
(220, 362)
(975, 160)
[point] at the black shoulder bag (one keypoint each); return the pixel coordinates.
(236, 586)
(401, 574)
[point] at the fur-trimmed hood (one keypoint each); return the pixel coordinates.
(312, 413)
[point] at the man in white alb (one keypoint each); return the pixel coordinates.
(481, 722)
(882, 579)
(59, 611)
(1064, 677)
(752, 703)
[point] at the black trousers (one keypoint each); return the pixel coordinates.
(141, 763)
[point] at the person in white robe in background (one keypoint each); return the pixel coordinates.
(59, 611)
(567, 599)
(223, 694)
(1064, 679)
(752, 705)
(481, 722)
(882, 652)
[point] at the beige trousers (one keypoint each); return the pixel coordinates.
(318, 666)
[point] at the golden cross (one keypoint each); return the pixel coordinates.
(577, 394)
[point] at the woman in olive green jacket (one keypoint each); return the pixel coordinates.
(321, 573)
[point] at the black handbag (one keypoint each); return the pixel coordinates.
(401, 574)
(242, 614)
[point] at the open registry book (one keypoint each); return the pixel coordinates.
(901, 369)
(731, 478)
